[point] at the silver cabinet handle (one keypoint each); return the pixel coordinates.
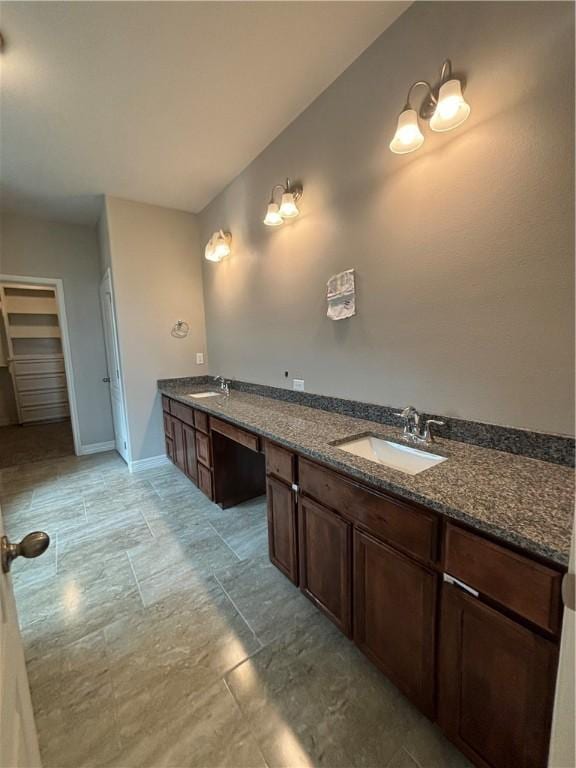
(457, 583)
(32, 545)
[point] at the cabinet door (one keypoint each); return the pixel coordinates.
(203, 449)
(178, 441)
(324, 542)
(496, 684)
(205, 480)
(282, 530)
(167, 424)
(394, 617)
(189, 436)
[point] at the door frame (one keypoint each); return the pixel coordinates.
(107, 276)
(57, 284)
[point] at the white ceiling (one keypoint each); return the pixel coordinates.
(161, 102)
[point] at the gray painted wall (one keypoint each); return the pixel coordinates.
(463, 250)
(155, 262)
(35, 248)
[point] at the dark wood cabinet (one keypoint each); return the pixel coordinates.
(205, 480)
(191, 468)
(395, 602)
(280, 463)
(496, 684)
(406, 526)
(178, 450)
(203, 453)
(529, 589)
(282, 528)
(324, 542)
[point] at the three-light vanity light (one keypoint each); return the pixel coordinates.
(219, 246)
(444, 106)
(275, 214)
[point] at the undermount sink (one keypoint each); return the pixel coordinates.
(199, 395)
(393, 455)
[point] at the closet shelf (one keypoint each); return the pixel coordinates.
(34, 332)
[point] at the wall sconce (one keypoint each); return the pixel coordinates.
(444, 106)
(275, 214)
(219, 246)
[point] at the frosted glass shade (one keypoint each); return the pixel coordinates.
(273, 218)
(408, 136)
(218, 247)
(288, 207)
(452, 109)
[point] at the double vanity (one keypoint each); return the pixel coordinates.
(443, 562)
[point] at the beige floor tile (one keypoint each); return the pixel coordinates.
(202, 549)
(431, 749)
(312, 699)
(269, 602)
(206, 731)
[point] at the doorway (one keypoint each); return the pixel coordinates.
(37, 396)
(114, 368)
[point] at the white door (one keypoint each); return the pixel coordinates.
(113, 358)
(18, 740)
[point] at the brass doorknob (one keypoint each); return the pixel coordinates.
(32, 545)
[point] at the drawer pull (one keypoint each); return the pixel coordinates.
(456, 583)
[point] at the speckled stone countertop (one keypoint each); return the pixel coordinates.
(524, 501)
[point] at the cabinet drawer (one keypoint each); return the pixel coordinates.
(205, 480)
(235, 433)
(203, 449)
(280, 463)
(182, 412)
(524, 586)
(201, 421)
(165, 404)
(411, 528)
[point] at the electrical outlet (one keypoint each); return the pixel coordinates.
(298, 385)
(199, 358)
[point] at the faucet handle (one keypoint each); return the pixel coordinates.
(428, 438)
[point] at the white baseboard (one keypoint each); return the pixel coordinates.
(110, 445)
(151, 463)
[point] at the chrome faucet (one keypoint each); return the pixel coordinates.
(412, 428)
(224, 385)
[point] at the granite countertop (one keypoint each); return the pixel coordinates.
(524, 501)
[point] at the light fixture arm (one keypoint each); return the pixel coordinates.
(429, 94)
(446, 72)
(431, 99)
(294, 189)
(274, 188)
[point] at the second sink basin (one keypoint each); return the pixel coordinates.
(200, 395)
(393, 455)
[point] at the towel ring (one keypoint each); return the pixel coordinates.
(180, 329)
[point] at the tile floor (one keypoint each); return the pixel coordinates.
(158, 634)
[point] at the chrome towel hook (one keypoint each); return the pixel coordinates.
(180, 329)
